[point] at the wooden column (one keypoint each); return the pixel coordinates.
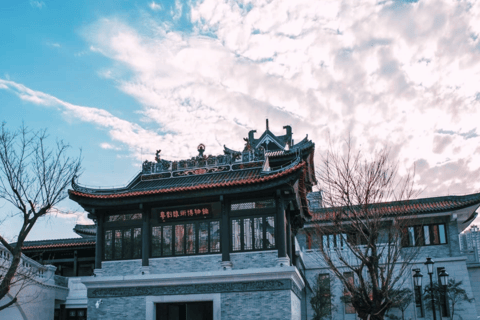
(225, 231)
(289, 237)
(281, 234)
(75, 263)
(99, 246)
(145, 237)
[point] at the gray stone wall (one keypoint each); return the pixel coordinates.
(209, 262)
(474, 274)
(125, 308)
(122, 267)
(267, 305)
(259, 259)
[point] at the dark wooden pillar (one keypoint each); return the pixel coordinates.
(281, 234)
(145, 237)
(225, 230)
(289, 236)
(75, 263)
(99, 243)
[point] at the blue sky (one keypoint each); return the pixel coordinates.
(120, 79)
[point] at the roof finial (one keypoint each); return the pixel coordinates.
(267, 124)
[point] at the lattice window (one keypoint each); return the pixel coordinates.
(124, 217)
(253, 205)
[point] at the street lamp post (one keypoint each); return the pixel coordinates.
(429, 263)
(444, 282)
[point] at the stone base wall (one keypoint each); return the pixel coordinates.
(117, 308)
(259, 305)
(249, 260)
(121, 268)
(263, 305)
(211, 262)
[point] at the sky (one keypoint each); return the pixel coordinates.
(120, 79)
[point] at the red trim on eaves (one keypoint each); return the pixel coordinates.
(59, 245)
(190, 188)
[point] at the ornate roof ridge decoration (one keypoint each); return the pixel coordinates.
(409, 207)
(276, 173)
(202, 164)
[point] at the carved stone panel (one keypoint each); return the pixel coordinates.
(264, 285)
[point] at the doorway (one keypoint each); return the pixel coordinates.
(185, 311)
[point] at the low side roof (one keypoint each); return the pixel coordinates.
(414, 207)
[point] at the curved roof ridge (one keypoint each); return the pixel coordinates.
(232, 182)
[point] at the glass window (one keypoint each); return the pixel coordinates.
(253, 233)
(426, 235)
(435, 236)
(190, 238)
(247, 234)
(137, 243)
(203, 237)
(258, 227)
(236, 244)
(156, 241)
(179, 239)
(349, 309)
(167, 241)
(411, 236)
(108, 245)
(118, 244)
(270, 232)
(443, 234)
(127, 244)
(215, 236)
(124, 217)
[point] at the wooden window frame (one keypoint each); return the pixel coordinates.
(196, 238)
(122, 229)
(420, 240)
(242, 232)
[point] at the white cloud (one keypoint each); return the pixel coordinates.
(37, 4)
(128, 133)
(384, 72)
(108, 146)
(155, 6)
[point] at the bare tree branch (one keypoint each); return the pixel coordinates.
(33, 178)
(360, 231)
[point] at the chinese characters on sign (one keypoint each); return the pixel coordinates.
(172, 214)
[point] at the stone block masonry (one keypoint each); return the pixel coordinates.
(116, 308)
(268, 305)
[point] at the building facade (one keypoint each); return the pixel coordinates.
(230, 237)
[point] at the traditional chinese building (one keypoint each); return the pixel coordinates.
(211, 237)
(231, 237)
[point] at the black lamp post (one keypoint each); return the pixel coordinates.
(417, 278)
(429, 263)
(444, 282)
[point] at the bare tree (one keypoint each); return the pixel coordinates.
(33, 178)
(361, 226)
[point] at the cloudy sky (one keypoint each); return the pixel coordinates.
(122, 78)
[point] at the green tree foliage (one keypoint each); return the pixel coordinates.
(455, 293)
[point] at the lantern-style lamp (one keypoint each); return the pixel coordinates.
(417, 278)
(429, 265)
(443, 278)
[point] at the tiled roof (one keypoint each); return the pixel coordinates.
(193, 182)
(411, 207)
(57, 243)
(85, 229)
